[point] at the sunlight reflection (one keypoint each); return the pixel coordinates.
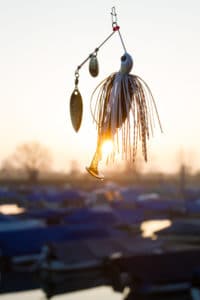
(149, 227)
(10, 209)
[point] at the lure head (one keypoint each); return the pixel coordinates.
(126, 63)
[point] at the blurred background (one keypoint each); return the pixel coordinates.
(52, 212)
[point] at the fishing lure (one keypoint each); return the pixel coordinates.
(122, 106)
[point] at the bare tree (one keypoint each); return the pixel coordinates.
(7, 167)
(32, 158)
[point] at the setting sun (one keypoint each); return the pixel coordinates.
(107, 148)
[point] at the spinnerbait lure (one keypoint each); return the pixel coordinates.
(122, 107)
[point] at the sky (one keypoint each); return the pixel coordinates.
(42, 43)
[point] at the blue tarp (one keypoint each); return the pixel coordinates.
(192, 207)
(159, 205)
(7, 194)
(106, 218)
(181, 228)
(30, 241)
(192, 194)
(55, 196)
(45, 213)
(127, 216)
(89, 216)
(130, 194)
(6, 218)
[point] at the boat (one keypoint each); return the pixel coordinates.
(183, 231)
(120, 262)
(84, 259)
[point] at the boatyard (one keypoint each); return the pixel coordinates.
(62, 239)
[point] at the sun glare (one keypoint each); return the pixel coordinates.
(107, 148)
(149, 227)
(10, 209)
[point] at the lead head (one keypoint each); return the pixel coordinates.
(126, 63)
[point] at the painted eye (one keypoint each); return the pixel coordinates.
(126, 63)
(123, 58)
